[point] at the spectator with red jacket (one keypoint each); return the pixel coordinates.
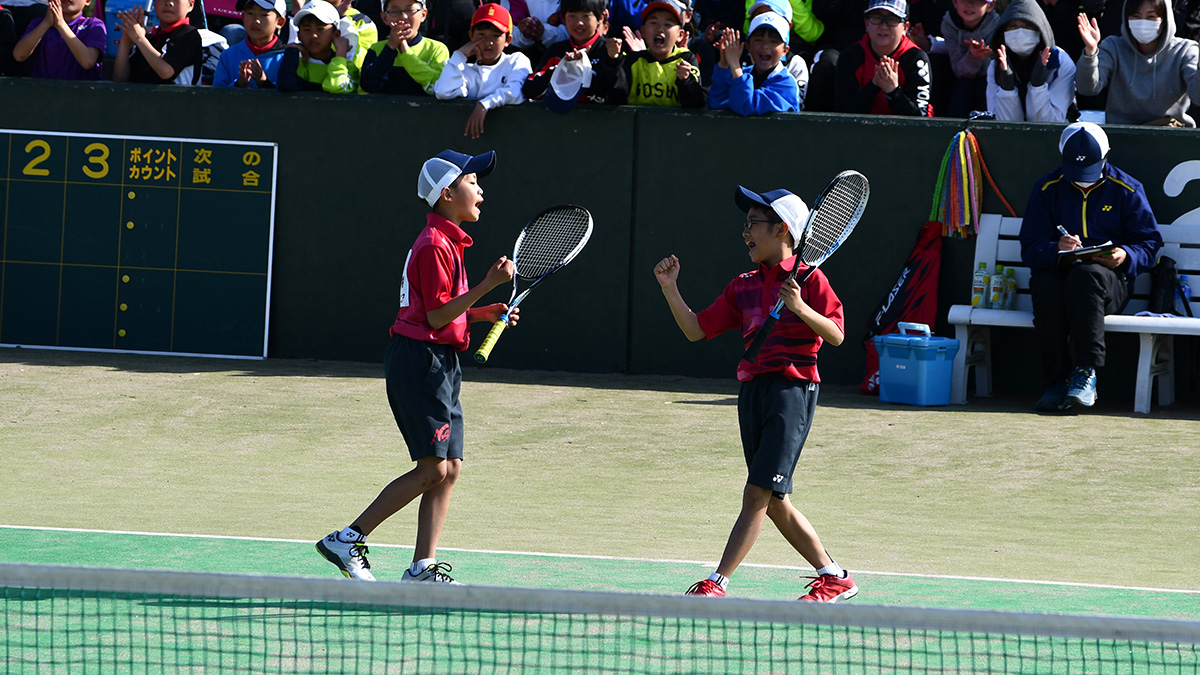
(885, 73)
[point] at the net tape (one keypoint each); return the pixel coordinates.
(551, 240)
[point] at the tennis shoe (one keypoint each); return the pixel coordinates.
(436, 573)
(1081, 388)
(828, 588)
(349, 556)
(1054, 399)
(706, 587)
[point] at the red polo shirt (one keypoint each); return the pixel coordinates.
(433, 275)
(745, 304)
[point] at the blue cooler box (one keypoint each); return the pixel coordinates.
(915, 369)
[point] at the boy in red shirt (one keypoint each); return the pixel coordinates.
(779, 391)
(422, 369)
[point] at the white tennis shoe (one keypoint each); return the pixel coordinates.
(436, 573)
(350, 557)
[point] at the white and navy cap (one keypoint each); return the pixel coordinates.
(786, 205)
(1083, 145)
(772, 21)
(279, 6)
(437, 173)
(780, 7)
(320, 10)
(897, 7)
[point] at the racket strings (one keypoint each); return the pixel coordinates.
(834, 219)
(549, 241)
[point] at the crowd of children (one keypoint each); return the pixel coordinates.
(1036, 60)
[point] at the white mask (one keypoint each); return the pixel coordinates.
(1085, 184)
(1022, 40)
(1144, 31)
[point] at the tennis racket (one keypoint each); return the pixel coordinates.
(830, 222)
(551, 240)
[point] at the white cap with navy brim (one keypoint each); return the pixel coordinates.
(786, 205)
(437, 173)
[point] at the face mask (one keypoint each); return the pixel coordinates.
(1022, 40)
(1085, 184)
(1144, 31)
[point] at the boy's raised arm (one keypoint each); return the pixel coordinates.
(667, 273)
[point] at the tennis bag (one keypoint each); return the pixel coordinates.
(1164, 286)
(912, 298)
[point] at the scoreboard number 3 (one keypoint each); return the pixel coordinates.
(97, 155)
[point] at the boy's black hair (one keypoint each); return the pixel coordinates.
(596, 7)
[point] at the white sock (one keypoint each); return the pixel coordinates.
(719, 580)
(351, 535)
(419, 566)
(832, 569)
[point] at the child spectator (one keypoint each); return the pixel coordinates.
(885, 73)
(1150, 73)
(1031, 78)
(406, 62)
(494, 78)
(968, 30)
(170, 54)
(254, 62)
(665, 73)
(794, 62)
(778, 395)
(320, 61)
(356, 27)
(585, 47)
(768, 87)
(8, 40)
(65, 44)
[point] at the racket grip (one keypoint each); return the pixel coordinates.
(760, 338)
(485, 349)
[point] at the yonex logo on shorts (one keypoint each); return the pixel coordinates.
(778, 478)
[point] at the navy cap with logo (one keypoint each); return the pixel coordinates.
(439, 172)
(1084, 145)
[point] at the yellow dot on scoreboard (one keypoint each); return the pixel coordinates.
(129, 225)
(132, 194)
(125, 278)
(121, 332)
(124, 307)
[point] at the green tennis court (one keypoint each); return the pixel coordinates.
(593, 483)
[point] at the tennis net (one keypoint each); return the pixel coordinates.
(86, 620)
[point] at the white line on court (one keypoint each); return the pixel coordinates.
(618, 559)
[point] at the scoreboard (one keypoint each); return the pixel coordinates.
(143, 244)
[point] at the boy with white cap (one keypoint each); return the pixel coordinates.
(779, 390)
(1085, 202)
(421, 366)
(322, 59)
(768, 86)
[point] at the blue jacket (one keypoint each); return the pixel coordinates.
(231, 61)
(778, 93)
(1114, 210)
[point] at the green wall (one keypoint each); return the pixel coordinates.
(657, 182)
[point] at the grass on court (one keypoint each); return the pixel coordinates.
(620, 466)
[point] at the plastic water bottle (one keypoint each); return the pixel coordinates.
(979, 287)
(996, 289)
(1183, 295)
(1010, 289)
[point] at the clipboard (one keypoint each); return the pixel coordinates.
(1086, 252)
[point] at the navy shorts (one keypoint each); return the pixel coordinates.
(775, 414)
(423, 383)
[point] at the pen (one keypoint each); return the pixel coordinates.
(1063, 230)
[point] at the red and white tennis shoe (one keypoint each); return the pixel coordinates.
(828, 588)
(706, 587)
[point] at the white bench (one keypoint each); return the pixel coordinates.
(998, 242)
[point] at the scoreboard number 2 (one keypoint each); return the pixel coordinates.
(31, 168)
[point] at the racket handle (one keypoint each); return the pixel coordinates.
(760, 338)
(485, 349)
